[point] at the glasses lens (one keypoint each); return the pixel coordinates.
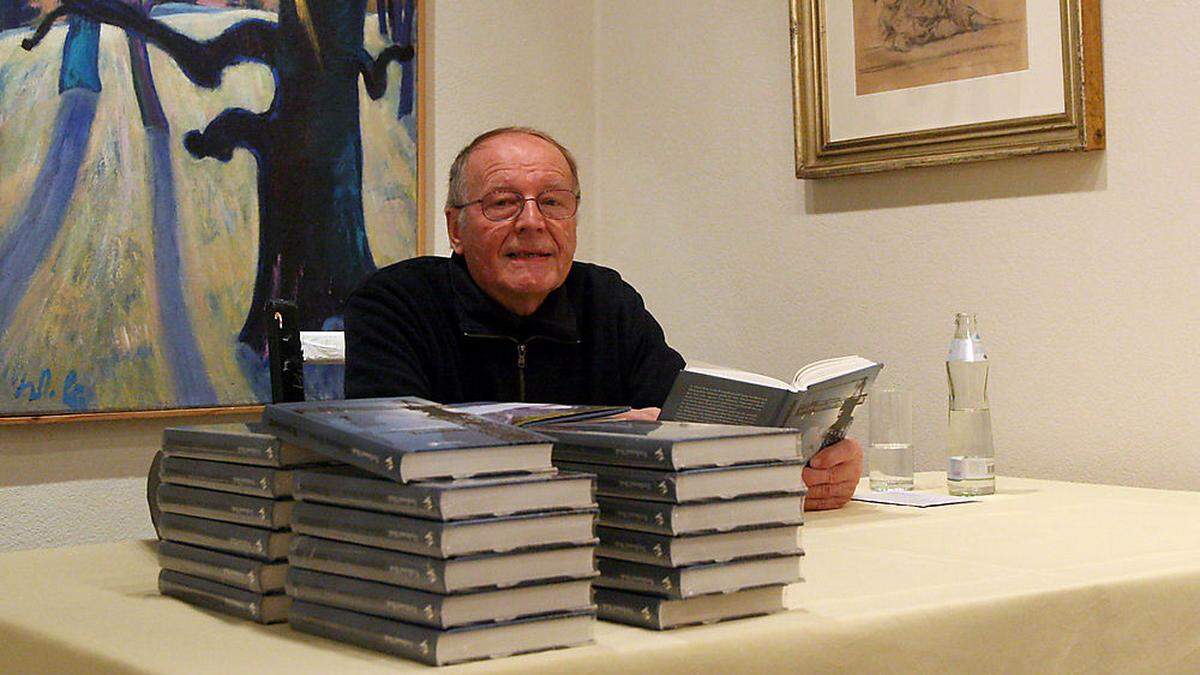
(501, 204)
(558, 204)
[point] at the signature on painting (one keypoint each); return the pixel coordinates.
(74, 394)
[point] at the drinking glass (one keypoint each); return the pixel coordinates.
(890, 457)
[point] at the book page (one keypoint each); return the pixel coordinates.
(819, 371)
(739, 375)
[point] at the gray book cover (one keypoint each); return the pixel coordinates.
(255, 542)
(226, 568)
(256, 481)
(690, 549)
(690, 485)
(443, 539)
(442, 647)
(669, 445)
(408, 438)
(237, 443)
(718, 515)
(436, 575)
(273, 514)
(655, 613)
(685, 582)
(256, 607)
(446, 499)
(435, 609)
(821, 407)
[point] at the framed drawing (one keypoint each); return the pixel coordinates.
(171, 167)
(888, 84)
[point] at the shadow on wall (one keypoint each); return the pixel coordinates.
(999, 179)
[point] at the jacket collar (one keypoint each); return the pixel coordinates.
(478, 314)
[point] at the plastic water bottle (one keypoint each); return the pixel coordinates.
(972, 469)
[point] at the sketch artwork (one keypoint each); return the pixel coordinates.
(910, 43)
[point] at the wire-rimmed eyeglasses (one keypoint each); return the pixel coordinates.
(501, 205)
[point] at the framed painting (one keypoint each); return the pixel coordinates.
(889, 84)
(171, 167)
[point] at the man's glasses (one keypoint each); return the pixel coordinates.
(501, 205)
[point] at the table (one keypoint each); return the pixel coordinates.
(1043, 576)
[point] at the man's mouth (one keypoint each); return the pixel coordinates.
(525, 255)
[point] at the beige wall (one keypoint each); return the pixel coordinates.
(1082, 268)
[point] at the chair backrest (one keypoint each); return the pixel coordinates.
(284, 353)
(289, 349)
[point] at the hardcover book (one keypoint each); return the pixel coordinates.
(669, 445)
(693, 484)
(444, 539)
(447, 499)
(537, 414)
(232, 570)
(257, 607)
(256, 542)
(256, 481)
(455, 575)
(436, 610)
(718, 515)
(819, 401)
(408, 438)
(442, 647)
(237, 443)
(685, 582)
(668, 551)
(656, 613)
(273, 514)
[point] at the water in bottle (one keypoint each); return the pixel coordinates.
(972, 456)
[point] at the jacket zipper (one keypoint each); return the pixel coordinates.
(522, 348)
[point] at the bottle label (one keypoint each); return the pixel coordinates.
(971, 468)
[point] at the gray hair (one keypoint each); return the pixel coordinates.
(456, 192)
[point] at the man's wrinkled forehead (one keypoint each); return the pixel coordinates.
(503, 152)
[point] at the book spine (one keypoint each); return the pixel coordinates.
(657, 517)
(367, 597)
(635, 487)
(372, 529)
(224, 568)
(635, 546)
(255, 542)
(410, 499)
(623, 575)
(205, 593)
(392, 637)
(653, 456)
(244, 479)
(352, 560)
(627, 608)
(273, 514)
(239, 454)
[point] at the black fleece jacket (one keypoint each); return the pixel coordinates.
(422, 327)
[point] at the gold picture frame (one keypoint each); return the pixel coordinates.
(875, 89)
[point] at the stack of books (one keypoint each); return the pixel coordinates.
(698, 522)
(225, 497)
(447, 538)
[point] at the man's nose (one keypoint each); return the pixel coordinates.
(530, 216)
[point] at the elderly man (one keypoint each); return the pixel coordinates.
(510, 316)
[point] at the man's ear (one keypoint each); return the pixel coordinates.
(454, 230)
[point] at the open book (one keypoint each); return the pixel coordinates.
(819, 401)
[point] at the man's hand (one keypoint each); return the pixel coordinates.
(640, 414)
(832, 474)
